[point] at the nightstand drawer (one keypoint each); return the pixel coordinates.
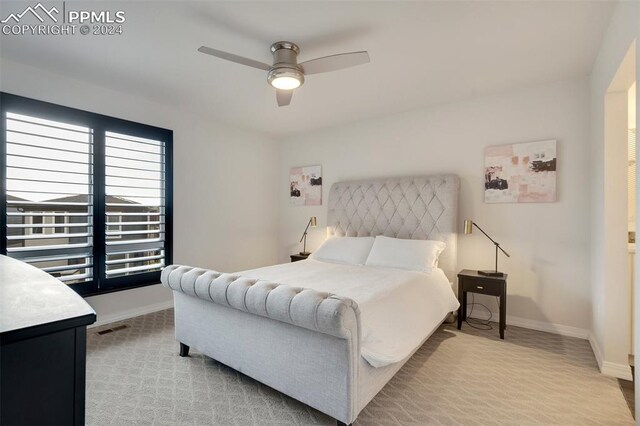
(483, 286)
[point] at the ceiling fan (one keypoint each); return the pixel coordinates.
(286, 73)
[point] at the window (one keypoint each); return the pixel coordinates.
(36, 220)
(88, 198)
(60, 219)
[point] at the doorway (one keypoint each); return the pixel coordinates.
(620, 205)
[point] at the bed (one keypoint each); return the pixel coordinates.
(327, 334)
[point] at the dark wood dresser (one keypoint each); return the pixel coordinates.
(43, 335)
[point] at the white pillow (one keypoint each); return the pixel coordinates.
(414, 255)
(349, 250)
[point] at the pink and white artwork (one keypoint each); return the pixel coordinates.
(520, 173)
(305, 185)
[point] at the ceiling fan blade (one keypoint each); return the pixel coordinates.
(234, 58)
(334, 62)
(284, 97)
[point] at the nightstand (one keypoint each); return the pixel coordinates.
(298, 256)
(493, 286)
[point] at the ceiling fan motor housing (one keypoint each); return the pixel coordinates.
(285, 62)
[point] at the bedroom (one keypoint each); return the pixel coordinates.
(444, 82)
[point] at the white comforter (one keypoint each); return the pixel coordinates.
(399, 309)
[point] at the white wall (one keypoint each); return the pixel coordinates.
(548, 271)
(607, 299)
(225, 212)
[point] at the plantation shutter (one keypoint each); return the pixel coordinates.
(135, 208)
(85, 197)
(49, 193)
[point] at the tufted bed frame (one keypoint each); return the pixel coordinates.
(302, 342)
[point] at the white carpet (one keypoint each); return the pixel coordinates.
(468, 377)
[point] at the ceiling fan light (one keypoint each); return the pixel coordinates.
(285, 83)
(285, 78)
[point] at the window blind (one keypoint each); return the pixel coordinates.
(49, 190)
(135, 204)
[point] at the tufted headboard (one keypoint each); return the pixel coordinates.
(418, 207)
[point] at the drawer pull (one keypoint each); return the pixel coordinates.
(480, 287)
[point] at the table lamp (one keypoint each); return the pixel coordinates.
(468, 229)
(312, 223)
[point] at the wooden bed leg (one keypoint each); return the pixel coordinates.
(184, 349)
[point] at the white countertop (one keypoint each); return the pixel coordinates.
(30, 297)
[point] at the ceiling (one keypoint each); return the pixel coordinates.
(422, 54)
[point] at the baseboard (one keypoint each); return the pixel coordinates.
(563, 330)
(124, 315)
(596, 350)
(619, 371)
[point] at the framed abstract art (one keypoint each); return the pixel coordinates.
(520, 173)
(305, 185)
